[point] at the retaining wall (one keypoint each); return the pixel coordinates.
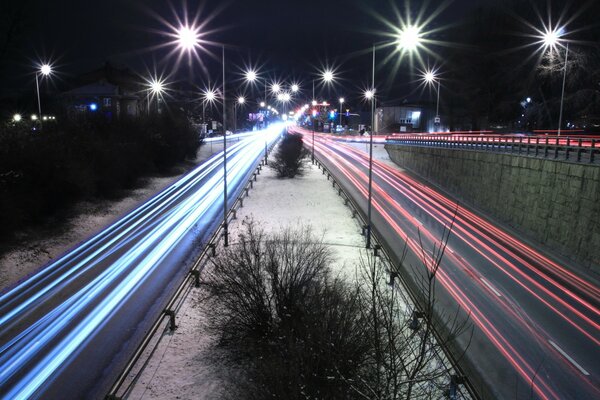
(555, 203)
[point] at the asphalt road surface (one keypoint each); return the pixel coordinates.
(67, 331)
(536, 324)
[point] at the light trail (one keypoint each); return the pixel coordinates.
(547, 292)
(49, 317)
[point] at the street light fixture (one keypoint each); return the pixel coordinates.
(17, 118)
(551, 38)
(156, 88)
(188, 38)
(45, 70)
(240, 102)
(408, 40)
(430, 77)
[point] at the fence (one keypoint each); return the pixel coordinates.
(573, 149)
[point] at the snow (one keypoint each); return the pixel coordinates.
(37, 246)
(184, 364)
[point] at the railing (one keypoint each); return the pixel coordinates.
(574, 149)
(382, 249)
(192, 279)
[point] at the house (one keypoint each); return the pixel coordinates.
(111, 91)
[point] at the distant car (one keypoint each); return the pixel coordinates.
(228, 133)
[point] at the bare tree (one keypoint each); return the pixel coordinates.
(406, 359)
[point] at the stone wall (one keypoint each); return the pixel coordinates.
(553, 202)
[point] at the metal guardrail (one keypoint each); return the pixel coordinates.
(572, 149)
(381, 246)
(193, 277)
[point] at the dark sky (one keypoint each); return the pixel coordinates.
(289, 39)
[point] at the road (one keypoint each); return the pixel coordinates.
(536, 324)
(67, 330)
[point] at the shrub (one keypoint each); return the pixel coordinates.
(42, 173)
(274, 304)
(289, 157)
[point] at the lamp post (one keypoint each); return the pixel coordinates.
(552, 38)
(314, 114)
(188, 40)
(156, 89)
(45, 70)
(431, 78)
(409, 39)
(341, 104)
(240, 102)
(208, 96)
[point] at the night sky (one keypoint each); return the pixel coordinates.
(286, 40)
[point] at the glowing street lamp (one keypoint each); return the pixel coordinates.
(156, 88)
(17, 118)
(188, 39)
(431, 78)
(295, 88)
(551, 38)
(45, 70)
(276, 88)
(240, 102)
(409, 38)
(251, 75)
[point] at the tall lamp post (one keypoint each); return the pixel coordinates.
(45, 70)
(341, 104)
(188, 40)
(240, 102)
(431, 78)
(409, 39)
(156, 89)
(551, 39)
(314, 114)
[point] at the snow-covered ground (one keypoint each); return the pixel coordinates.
(184, 364)
(37, 246)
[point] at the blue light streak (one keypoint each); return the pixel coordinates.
(109, 267)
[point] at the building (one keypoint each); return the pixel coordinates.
(111, 91)
(408, 118)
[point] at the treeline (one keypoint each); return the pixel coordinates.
(42, 173)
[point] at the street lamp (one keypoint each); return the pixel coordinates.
(341, 103)
(45, 70)
(188, 39)
(17, 118)
(252, 77)
(156, 88)
(430, 78)
(408, 40)
(551, 39)
(240, 102)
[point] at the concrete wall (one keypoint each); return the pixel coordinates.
(553, 202)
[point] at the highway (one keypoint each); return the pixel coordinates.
(536, 324)
(67, 330)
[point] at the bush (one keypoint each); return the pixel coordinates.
(42, 173)
(275, 306)
(289, 157)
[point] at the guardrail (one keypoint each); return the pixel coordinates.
(577, 149)
(192, 279)
(381, 249)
